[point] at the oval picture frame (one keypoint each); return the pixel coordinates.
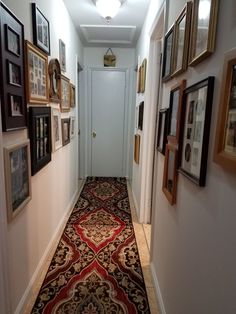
(54, 72)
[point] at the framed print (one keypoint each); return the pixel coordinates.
(36, 75)
(12, 74)
(140, 115)
(225, 142)
(162, 130)
(56, 129)
(41, 30)
(72, 127)
(181, 39)
(169, 185)
(203, 30)
(175, 112)
(143, 76)
(40, 137)
(17, 177)
(65, 94)
(54, 72)
(72, 95)
(167, 66)
(65, 127)
(137, 139)
(62, 55)
(197, 104)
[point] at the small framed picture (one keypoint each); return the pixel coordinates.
(41, 30)
(137, 139)
(167, 66)
(143, 76)
(72, 127)
(162, 130)
(56, 129)
(12, 40)
(16, 105)
(72, 95)
(54, 72)
(62, 55)
(17, 177)
(140, 115)
(65, 94)
(65, 127)
(14, 74)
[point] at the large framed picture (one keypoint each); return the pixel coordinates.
(36, 75)
(225, 143)
(54, 72)
(65, 94)
(167, 66)
(143, 76)
(197, 104)
(56, 129)
(62, 55)
(41, 30)
(17, 177)
(162, 130)
(12, 74)
(65, 127)
(203, 30)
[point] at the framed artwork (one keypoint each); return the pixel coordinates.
(225, 142)
(140, 115)
(62, 55)
(54, 72)
(139, 79)
(17, 177)
(72, 127)
(40, 137)
(65, 94)
(197, 104)
(137, 139)
(65, 127)
(175, 112)
(56, 129)
(169, 185)
(72, 95)
(36, 75)
(182, 32)
(162, 130)
(167, 66)
(143, 76)
(41, 30)
(12, 74)
(203, 30)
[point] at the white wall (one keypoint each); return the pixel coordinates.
(55, 186)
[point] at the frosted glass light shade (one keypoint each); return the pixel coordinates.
(108, 8)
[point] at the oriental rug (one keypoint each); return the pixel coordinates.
(96, 267)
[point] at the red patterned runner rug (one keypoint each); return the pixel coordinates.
(96, 267)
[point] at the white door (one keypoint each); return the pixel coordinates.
(108, 121)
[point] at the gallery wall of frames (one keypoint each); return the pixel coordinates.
(34, 93)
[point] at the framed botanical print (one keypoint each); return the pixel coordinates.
(41, 30)
(17, 177)
(137, 139)
(162, 130)
(72, 127)
(62, 55)
(36, 75)
(197, 104)
(54, 72)
(72, 95)
(65, 94)
(167, 66)
(65, 127)
(203, 30)
(56, 129)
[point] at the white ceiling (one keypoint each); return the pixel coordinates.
(123, 30)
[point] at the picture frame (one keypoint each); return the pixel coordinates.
(65, 94)
(140, 115)
(72, 96)
(137, 139)
(167, 66)
(169, 185)
(54, 72)
(37, 89)
(40, 137)
(225, 139)
(175, 112)
(56, 129)
(162, 130)
(62, 55)
(12, 74)
(203, 30)
(143, 76)
(17, 177)
(197, 103)
(72, 127)
(41, 29)
(181, 40)
(65, 128)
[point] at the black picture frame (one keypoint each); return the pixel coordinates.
(40, 137)
(162, 130)
(41, 29)
(197, 106)
(167, 66)
(12, 72)
(140, 115)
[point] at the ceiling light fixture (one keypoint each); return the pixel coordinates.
(108, 8)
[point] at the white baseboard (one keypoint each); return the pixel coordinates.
(157, 290)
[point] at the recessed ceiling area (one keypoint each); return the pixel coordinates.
(123, 30)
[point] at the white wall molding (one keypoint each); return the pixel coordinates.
(157, 290)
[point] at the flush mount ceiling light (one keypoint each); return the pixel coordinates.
(108, 8)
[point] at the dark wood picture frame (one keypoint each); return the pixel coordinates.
(65, 129)
(40, 137)
(41, 29)
(12, 71)
(54, 72)
(167, 66)
(197, 103)
(140, 115)
(162, 130)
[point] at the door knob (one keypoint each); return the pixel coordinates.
(94, 134)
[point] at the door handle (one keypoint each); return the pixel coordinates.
(94, 134)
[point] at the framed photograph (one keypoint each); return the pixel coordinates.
(40, 137)
(65, 127)
(181, 38)
(143, 76)
(169, 185)
(167, 66)
(197, 104)
(72, 95)
(140, 115)
(137, 139)
(65, 94)
(12, 74)
(72, 127)
(41, 30)
(54, 72)
(56, 129)
(175, 112)
(139, 74)
(225, 142)
(203, 30)
(17, 177)
(162, 130)
(62, 55)
(36, 75)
